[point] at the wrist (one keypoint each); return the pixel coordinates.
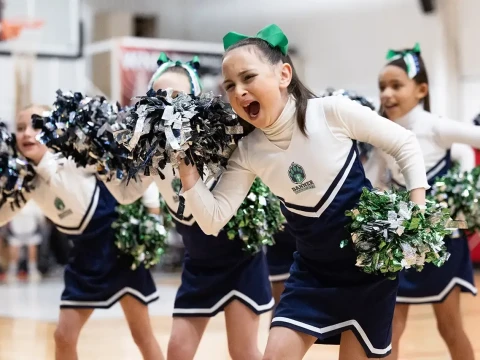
(188, 175)
(418, 196)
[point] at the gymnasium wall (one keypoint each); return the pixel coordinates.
(59, 36)
(469, 54)
(48, 75)
(342, 43)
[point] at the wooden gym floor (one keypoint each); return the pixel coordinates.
(27, 326)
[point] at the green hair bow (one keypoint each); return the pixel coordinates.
(391, 54)
(272, 34)
(411, 61)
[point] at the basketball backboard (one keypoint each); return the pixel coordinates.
(60, 34)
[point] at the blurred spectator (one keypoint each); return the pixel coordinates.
(25, 229)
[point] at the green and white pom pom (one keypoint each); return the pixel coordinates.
(390, 233)
(460, 191)
(140, 234)
(258, 219)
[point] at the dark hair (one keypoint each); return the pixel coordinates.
(420, 78)
(273, 55)
(176, 70)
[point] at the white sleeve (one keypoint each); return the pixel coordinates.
(348, 119)
(464, 155)
(376, 170)
(449, 131)
(55, 170)
(151, 197)
(212, 210)
(128, 193)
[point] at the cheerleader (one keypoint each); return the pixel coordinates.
(405, 100)
(98, 275)
(327, 299)
(218, 275)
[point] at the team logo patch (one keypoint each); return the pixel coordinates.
(176, 185)
(60, 206)
(297, 175)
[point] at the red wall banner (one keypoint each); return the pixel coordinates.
(137, 66)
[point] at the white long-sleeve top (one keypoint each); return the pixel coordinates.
(168, 187)
(306, 173)
(440, 140)
(464, 155)
(377, 172)
(68, 195)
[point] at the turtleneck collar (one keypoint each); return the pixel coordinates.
(407, 120)
(282, 129)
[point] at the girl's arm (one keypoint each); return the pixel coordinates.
(355, 121)
(212, 210)
(127, 194)
(449, 131)
(464, 155)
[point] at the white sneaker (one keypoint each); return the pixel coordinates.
(11, 278)
(34, 276)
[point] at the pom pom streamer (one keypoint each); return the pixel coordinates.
(16, 173)
(257, 220)
(390, 233)
(460, 192)
(167, 126)
(140, 234)
(161, 128)
(83, 128)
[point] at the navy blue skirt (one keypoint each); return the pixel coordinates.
(325, 299)
(216, 271)
(280, 256)
(433, 284)
(98, 274)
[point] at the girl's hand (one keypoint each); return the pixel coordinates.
(188, 175)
